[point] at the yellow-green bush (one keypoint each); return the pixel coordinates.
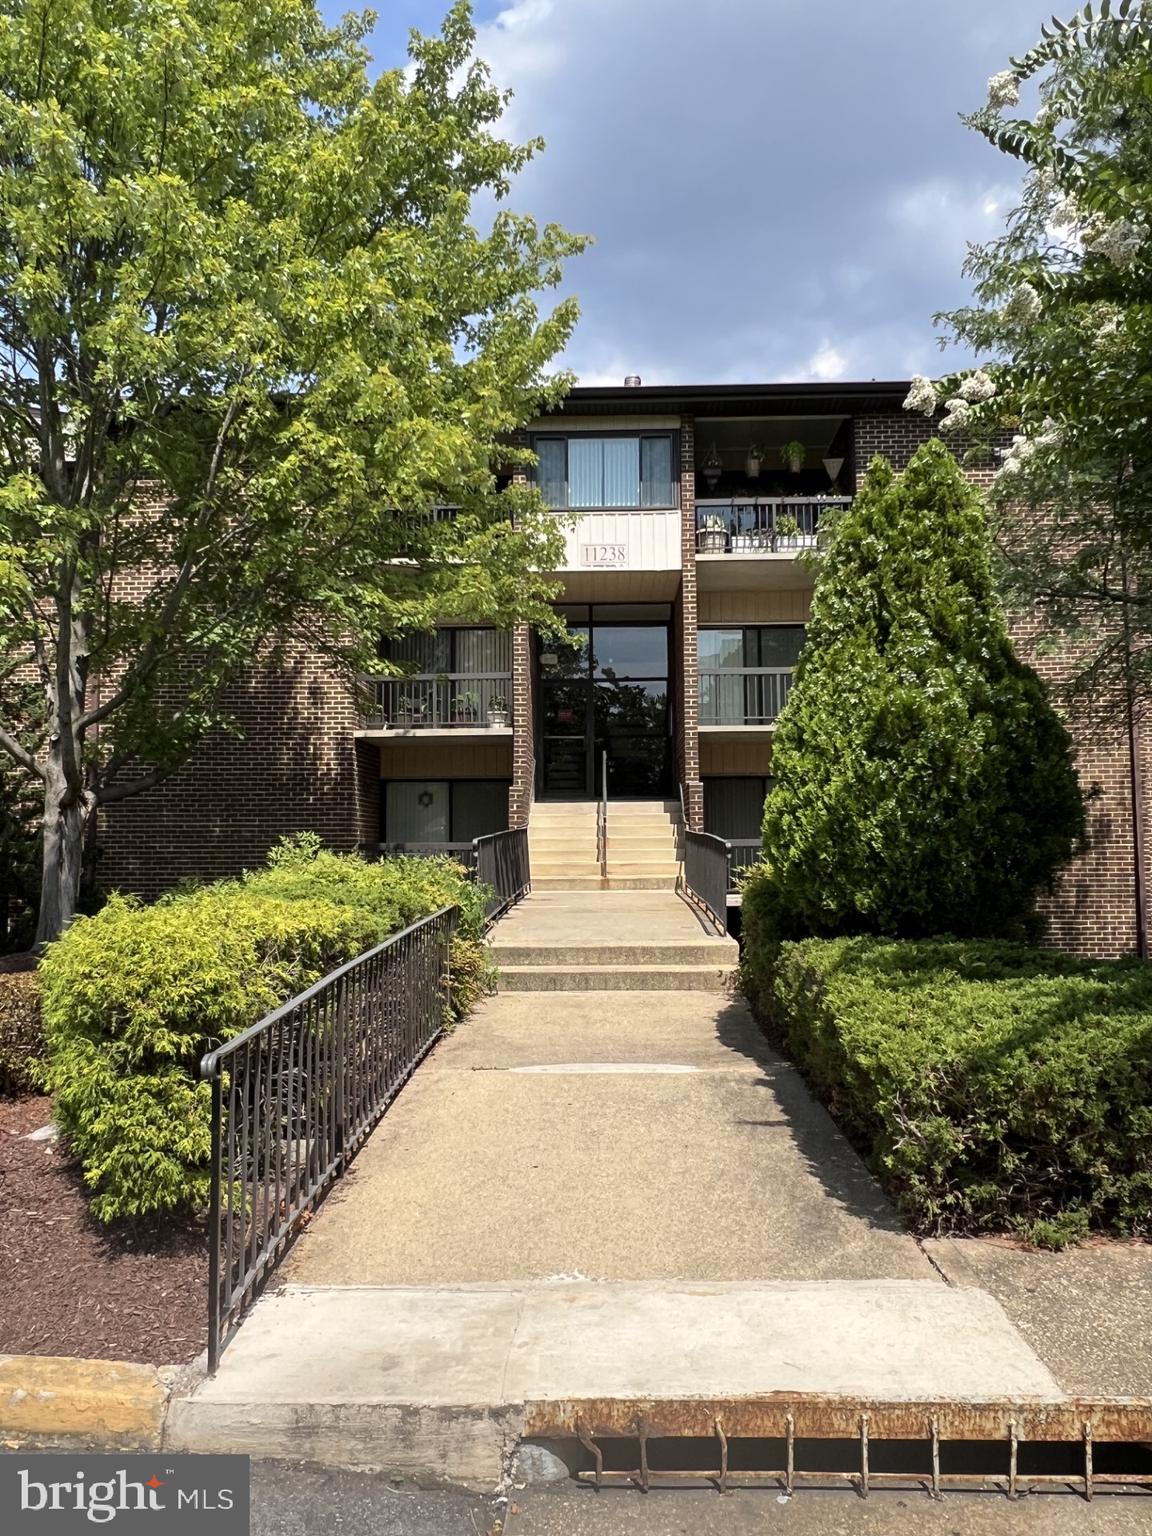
(136, 995)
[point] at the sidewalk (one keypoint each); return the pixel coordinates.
(605, 1136)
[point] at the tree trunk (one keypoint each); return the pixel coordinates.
(65, 818)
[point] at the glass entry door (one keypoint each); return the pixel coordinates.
(605, 690)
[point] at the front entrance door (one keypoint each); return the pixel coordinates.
(604, 690)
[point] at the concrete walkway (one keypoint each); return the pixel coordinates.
(593, 1194)
(495, 1165)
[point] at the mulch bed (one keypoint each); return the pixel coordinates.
(69, 1286)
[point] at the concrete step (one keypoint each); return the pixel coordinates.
(667, 869)
(615, 978)
(714, 952)
(442, 1383)
(566, 882)
(640, 883)
(559, 867)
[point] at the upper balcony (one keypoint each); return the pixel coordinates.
(754, 540)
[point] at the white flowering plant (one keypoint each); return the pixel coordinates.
(1062, 322)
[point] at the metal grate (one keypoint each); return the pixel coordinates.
(783, 1427)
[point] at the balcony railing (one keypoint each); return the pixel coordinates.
(743, 695)
(461, 853)
(456, 700)
(761, 524)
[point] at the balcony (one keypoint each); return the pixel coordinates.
(442, 703)
(761, 525)
(737, 700)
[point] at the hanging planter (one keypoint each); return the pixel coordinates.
(712, 468)
(793, 455)
(756, 457)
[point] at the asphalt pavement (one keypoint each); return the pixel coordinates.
(294, 1500)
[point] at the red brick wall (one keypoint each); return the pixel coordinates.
(295, 769)
(1093, 909)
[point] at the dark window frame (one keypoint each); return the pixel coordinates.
(451, 784)
(669, 434)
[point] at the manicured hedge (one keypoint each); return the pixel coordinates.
(991, 1087)
(135, 996)
(21, 1032)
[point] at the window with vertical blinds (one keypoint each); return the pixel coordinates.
(586, 471)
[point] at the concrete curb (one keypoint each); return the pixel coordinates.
(63, 1402)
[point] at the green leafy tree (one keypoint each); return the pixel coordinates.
(1063, 327)
(923, 783)
(251, 337)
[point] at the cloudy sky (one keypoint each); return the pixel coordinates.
(778, 189)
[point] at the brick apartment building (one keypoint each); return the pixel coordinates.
(686, 606)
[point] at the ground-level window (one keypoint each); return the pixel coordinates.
(431, 811)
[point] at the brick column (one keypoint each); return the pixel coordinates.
(523, 729)
(688, 692)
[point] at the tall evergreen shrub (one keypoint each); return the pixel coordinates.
(923, 783)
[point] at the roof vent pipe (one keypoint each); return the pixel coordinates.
(632, 381)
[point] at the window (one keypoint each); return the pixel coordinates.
(746, 673)
(472, 652)
(581, 472)
(429, 811)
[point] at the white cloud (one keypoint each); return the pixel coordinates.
(747, 225)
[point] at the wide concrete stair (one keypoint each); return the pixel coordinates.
(644, 845)
(597, 940)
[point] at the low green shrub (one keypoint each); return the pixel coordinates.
(990, 1087)
(21, 1032)
(136, 995)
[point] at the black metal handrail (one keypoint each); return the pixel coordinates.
(602, 818)
(501, 861)
(761, 524)
(743, 852)
(296, 1095)
(743, 695)
(461, 853)
(441, 700)
(705, 877)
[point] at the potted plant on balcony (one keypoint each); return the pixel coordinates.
(712, 468)
(713, 537)
(787, 529)
(793, 454)
(498, 712)
(467, 707)
(756, 456)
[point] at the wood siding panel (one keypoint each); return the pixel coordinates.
(755, 607)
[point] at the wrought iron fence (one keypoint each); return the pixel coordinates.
(743, 695)
(441, 700)
(295, 1096)
(761, 524)
(501, 861)
(705, 874)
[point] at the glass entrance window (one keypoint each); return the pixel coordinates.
(605, 690)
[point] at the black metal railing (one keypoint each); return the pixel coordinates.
(743, 852)
(458, 700)
(761, 524)
(743, 695)
(462, 853)
(295, 1096)
(705, 875)
(501, 861)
